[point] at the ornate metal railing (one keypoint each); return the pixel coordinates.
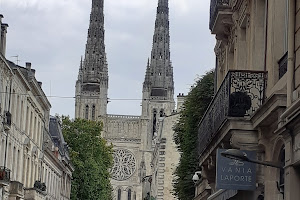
(240, 95)
(215, 5)
(4, 174)
(39, 186)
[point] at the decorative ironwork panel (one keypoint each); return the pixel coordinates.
(248, 87)
(124, 164)
(215, 5)
(240, 95)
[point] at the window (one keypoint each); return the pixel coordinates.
(86, 112)
(154, 122)
(281, 172)
(129, 194)
(161, 113)
(93, 112)
(119, 194)
(21, 116)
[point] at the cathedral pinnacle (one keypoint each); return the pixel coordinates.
(95, 64)
(159, 79)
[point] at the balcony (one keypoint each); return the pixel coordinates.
(240, 95)
(16, 189)
(32, 193)
(4, 176)
(220, 15)
(38, 191)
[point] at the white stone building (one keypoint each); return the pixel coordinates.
(133, 137)
(24, 116)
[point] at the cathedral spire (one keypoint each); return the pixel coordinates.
(95, 65)
(92, 83)
(160, 70)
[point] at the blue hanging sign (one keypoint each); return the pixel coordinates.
(234, 174)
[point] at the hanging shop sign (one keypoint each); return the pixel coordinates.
(234, 174)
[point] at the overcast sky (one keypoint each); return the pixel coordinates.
(51, 34)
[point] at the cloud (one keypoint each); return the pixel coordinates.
(52, 35)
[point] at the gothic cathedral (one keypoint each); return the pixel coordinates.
(132, 136)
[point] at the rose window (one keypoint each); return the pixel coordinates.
(124, 164)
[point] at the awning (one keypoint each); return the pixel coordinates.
(222, 195)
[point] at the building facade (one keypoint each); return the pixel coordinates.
(256, 104)
(25, 119)
(165, 156)
(133, 137)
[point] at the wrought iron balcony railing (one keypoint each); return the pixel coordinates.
(40, 186)
(4, 175)
(215, 6)
(240, 95)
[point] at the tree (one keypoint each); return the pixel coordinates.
(91, 157)
(186, 135)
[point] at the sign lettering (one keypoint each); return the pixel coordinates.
(234, 174)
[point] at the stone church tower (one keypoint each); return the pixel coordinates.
(158, 87)
(92, 83)
(133, 137)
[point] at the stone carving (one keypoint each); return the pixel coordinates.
(123, 139)
(124, 165)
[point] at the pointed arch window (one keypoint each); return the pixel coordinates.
(154, 122)
(119, 194)
(129, 194)
(93, 112)
(86, 112)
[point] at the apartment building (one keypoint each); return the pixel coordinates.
(29, 169)
(256, 105)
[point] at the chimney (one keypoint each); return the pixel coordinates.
(28, 66)
(3, 38)
(180, 101)
(40, 84)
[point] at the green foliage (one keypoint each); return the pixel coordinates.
(186, 135)
(91, 158)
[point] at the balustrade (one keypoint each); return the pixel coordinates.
(240, 95)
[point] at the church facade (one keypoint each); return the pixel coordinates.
(134, 137)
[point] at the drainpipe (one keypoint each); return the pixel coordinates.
(266, 45)
(266, 33)
(291, 53)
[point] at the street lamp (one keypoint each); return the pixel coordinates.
(239, 155)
